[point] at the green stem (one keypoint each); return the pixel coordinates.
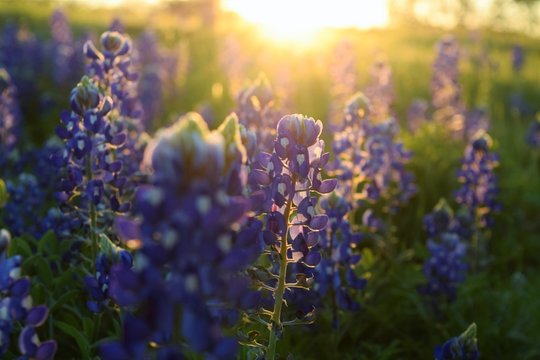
(177, 336)
(276, 326)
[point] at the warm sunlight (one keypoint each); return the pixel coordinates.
(300, 19)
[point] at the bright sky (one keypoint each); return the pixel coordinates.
(298, 18)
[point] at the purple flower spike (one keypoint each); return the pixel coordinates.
(292, 178)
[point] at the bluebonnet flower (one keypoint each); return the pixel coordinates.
(111, 69)
(91, 183)
(370, 163)
(104, 146)
(16, 307)
(151, 95)
(479, 183)
(67, 62)
(462, 347)
(520, 105)
(383, 166)
(256, 111)
(416, 115)
(335, 276)
(117, 26)
(31, 192)
(533, 134)
(446, 267)
(518, 58)
(26, 198)
(476, 121)
(191, 247)
(445, 86)
(10, 117)
(21, 54)
(344, 77)
(286, 182)
(98, 285)
(233, 61)
(347, 144)
(380, 91)
(160, 70)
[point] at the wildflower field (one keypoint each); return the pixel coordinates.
(176, 185)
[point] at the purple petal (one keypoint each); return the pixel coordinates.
(91, 52)
(327, 186)
(26, 341)
(37, 315)
(312, 259)
(318, 222)
(312, 238)
(46, 350)
(114, 351)
(128, 230)
(324, 159)
(20, 288)
(259, 177)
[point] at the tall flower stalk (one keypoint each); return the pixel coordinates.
(446, 267)
(256, 111)
(478, 191)
(87, 165)
(381, 91)
(10, 117)
(370, 162)
(286, 182)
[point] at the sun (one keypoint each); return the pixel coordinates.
(299, 20)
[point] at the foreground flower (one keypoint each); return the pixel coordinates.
(188, 269)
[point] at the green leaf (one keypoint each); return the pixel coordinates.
(48, 243)
(63, 299)
(20, 246)
(4, 195)
(43, 270)
(88, 326)
(82, 342)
